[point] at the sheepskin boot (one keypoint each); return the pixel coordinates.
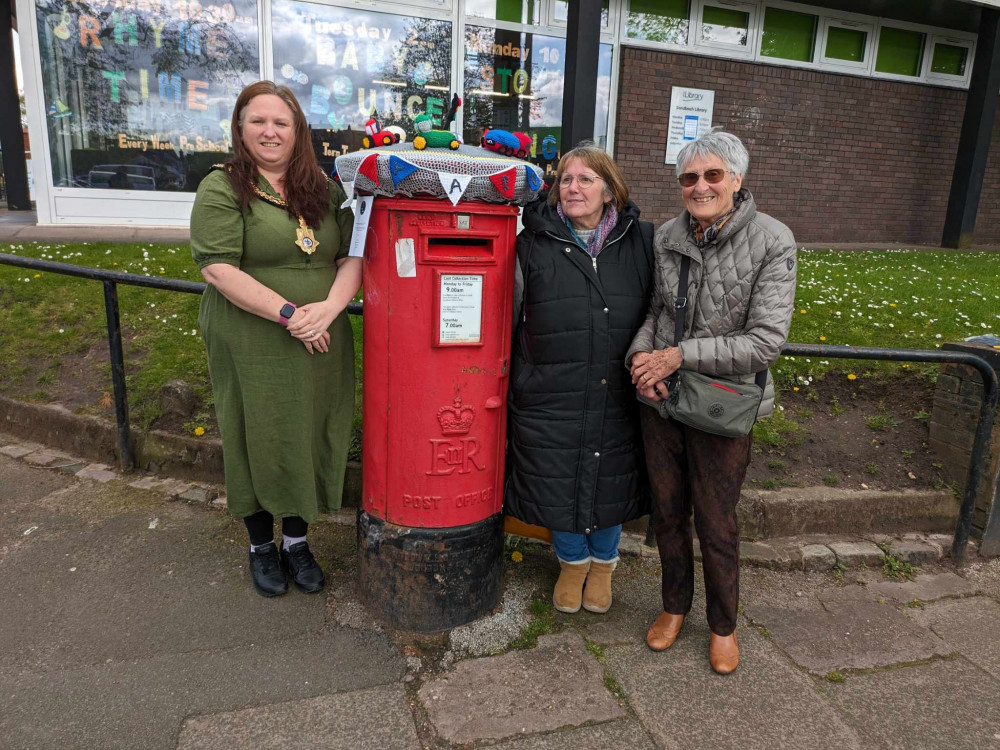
(597, 594)
(568, 593)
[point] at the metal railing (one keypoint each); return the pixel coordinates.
(110, 280)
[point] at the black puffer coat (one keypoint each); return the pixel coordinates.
(575, 460)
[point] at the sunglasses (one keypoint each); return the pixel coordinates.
(712, 176)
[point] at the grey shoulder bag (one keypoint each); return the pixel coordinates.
(720, 407)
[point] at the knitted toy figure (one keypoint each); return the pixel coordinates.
(375, 136)
(427, 136)
(507, 143)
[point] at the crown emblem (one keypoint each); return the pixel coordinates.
(456, 419)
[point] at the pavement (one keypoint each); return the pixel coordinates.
(128, 621)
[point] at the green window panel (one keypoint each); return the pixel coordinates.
(789, 35)
(900, 51)
(725, 26)
(514, 11)
(949, 59)
(845, 44)
(659, 20)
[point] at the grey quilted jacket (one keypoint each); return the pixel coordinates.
(741, 296)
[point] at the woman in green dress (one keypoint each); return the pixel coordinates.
(271, 239)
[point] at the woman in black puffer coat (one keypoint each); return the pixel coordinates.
(575, 460)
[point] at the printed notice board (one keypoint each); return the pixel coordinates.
(690, 117)
(460, 309)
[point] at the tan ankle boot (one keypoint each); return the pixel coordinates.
(723, 652)
(568, 592)
(663, 632)
(597, 595)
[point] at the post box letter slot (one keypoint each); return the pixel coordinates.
(462, 249)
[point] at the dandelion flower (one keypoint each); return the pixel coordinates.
(852, 376)
(38, 276)
(822, 338)
(516, 556)
(795, 387)
(199, 430)
(802, 311)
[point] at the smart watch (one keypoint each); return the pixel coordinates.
(285, 313)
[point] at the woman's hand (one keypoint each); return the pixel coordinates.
(658, 391)
(321, 344)
(310, 321)
(650, 368)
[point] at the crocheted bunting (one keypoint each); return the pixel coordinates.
(399, 169)
(369, 168)
(504, 182)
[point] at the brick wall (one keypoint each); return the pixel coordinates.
(836, 158)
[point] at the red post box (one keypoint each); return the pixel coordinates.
(438, 287)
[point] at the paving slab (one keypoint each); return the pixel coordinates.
(945, 704)
(16, 451)
(763, 705)
(914, 551)
(926, 587)
(23, 484)
(763, 556)
(556, 684)
(373, 719)
(623, 734)
(142, 703)
(849, 635)
(818, 557)
(969, 626)
(97, 472)
(853, 554)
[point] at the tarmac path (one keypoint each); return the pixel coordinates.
(127, 621)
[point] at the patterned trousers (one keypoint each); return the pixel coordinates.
(694, 470)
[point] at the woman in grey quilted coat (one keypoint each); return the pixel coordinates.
(738, 308)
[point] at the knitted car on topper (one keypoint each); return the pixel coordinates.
(428, 137)
(507, 143)
(376, 136)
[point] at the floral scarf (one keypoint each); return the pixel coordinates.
(704, 237)
(600, 234)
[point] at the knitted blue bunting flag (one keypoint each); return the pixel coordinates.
(400, 169)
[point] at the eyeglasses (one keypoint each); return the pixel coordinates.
(712, 176)
(583, 180)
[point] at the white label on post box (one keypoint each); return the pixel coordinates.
(362, 213)
(461, 309)
(406, 261)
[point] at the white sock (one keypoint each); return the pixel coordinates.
(255, 547)
(288, 541)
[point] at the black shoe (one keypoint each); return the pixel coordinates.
(300, 564)
(265, 571)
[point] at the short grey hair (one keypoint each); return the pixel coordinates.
(718, 143)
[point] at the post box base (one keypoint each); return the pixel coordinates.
(426, 580)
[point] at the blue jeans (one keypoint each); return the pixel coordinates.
(601, 545)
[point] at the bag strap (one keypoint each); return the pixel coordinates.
(681, 302)
(680, 312)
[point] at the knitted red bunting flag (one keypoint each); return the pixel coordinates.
(369, 168)
(504, 182)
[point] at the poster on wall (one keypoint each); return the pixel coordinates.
(690, 117)
(139, 94)
(347, 66)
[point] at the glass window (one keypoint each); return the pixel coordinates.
(724, 26)
(560, 11)
(900, 51)
(514, 11)
(514, 81)
(845, 44)
(788, 35)
(949, 59)
(664, 21)
(346, 66)
(139, 96)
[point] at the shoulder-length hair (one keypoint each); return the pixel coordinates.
(598, 160)
(306, 191)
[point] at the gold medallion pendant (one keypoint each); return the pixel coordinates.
(306, 240)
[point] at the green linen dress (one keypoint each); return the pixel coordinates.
(284, 414)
